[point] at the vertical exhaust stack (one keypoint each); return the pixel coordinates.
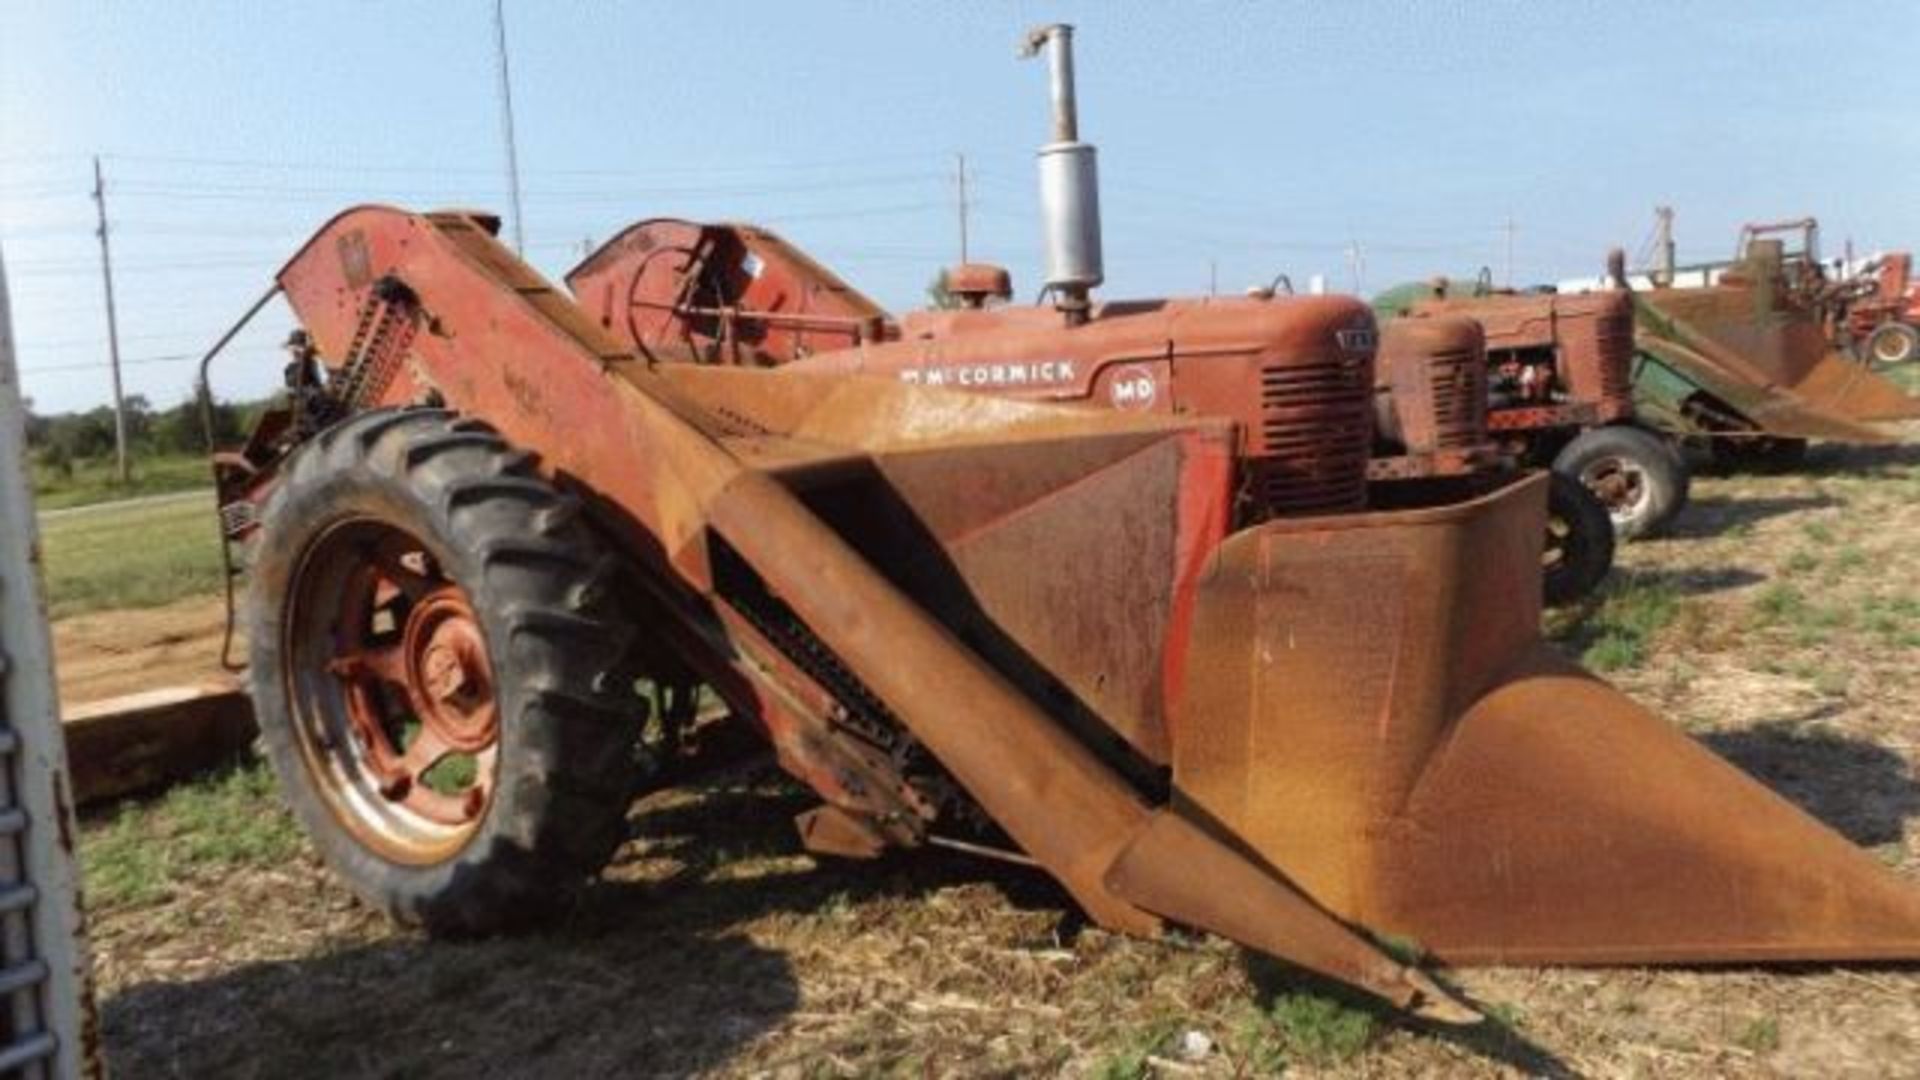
(1069, 183)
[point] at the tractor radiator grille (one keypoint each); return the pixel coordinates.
(1613, 343)
(1459, 383)
(1315, 430)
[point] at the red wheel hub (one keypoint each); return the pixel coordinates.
(449, 682)
(418, 687)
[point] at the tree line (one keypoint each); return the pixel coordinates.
(59, 441)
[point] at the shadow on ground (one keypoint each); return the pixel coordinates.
(1861, 790)
(1826, 459)
(652, 972)
(1580, 626)
(1709, 516)
(649, 973)
(1694, 581)
(638, 1003)
(1836, 459)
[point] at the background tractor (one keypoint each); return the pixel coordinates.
(1883, 317)
(1560, 393)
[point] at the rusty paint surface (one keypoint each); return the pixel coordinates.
(1433, 770)
(1430, 401)
(729, 294)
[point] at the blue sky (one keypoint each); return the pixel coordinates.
(1260, 139)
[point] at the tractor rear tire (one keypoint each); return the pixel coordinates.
(1639, 477)
(436, 672)
(1892, 344)
(1579, 548)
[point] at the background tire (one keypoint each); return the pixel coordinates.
(491, 535)
(1893, 343)
(1579, 549)
(1638, 477)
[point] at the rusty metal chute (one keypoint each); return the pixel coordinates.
(1447, 778)
(1751, 354)
(1294, 734)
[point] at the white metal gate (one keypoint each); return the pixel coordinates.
(48, 1027)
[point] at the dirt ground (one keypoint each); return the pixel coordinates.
(108, 653)
(1791, 645)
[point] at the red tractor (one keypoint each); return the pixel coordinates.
(1884, 321)
(1561, 395)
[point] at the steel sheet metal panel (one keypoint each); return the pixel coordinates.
(47, 1026)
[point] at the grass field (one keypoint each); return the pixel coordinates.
(139, 555)
(93, 481)
(1780, 626)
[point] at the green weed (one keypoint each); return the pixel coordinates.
(233, 819)
(1618, 632)
(1761, 1035)
(1304, 1026)
(1132, 1060)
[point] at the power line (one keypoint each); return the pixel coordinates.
(280, 191)
(98, 343)
(96, 365)
(441, 168)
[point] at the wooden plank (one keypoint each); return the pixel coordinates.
(140, 742)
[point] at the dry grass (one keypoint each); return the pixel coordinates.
(715, 947)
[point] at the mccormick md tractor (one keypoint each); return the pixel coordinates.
(483, 518)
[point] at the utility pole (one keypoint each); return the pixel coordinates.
(1663, 262)
(113, 326)
(506, 123)
(1356, 263)
(1509, 251)
(1213, 277)
(960, 176)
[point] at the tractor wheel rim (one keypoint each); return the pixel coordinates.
(395, 704)
(1889, 348)
(1621, 485)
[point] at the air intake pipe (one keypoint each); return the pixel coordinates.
(1069, 183)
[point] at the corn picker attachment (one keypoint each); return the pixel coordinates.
(479, 518)
(1750, 363)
